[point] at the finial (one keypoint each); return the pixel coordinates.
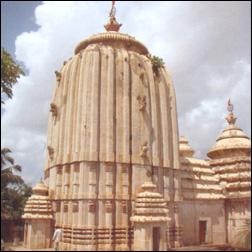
(230, 106)
(231, 117)
(113, 10)
(112, 25)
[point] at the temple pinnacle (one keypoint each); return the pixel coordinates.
(231, 117)
(112, 25)
(230, 106)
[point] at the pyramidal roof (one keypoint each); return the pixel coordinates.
(185, 149)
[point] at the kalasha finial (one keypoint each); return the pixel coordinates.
(112, 25)
(231, 117)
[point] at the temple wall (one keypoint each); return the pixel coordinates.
(202, 201)
(238, 212)
(38, 234)
(93, 201)
(211, 211)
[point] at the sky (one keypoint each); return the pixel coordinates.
(206, 47)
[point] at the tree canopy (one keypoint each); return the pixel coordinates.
(10, 72)
(14, 192)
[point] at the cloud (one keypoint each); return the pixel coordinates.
(206, 47)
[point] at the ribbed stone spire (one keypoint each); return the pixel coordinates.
(112, 25)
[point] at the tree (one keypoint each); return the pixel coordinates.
(157, 63)
(7, 172)
(10, 72)
(14, 192)
(14, 201)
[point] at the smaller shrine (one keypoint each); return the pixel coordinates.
(38, 217)
(150, 220)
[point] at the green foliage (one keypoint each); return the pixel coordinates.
(8, 176)
(10, 72)
(14, 192)
(156, 63)
(13, 201)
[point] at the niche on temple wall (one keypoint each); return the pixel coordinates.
(65, 213)
(91, 212)
(157, 178)
(166, 184)
(57, 212)
(65, 207)
(109, 172)
(58, 206)
(58, 181)
(66, 180)
(108, 205)
(125, 180)
(92, 180)
(91, 206)
(76, 182)
(124, 213)
(75, 206)
(124, 207)
(75, 211)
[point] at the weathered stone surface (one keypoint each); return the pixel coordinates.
(38, 217)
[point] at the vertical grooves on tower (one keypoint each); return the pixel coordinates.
(58, 120)
(165, 113)
(76, 101)
(87, 138)
(79, 96)
(51, 130)
(130, 152)
(159, 137)
(98, 150)
(70, 107)
(94, 109)
(86, 104)
(151, 136)
(75, 150)
(114, 147)
(149, 108)
(170, 141)
(175, 128)
(63, 114)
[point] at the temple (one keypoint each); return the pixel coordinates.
(117, 175)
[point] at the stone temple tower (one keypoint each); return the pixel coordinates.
(112, 127)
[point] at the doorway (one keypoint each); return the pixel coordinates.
(202, 231)
(156, 238)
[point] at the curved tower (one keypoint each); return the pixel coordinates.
(113, 126)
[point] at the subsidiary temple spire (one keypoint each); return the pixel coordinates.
(231, 117)
(112, 25)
